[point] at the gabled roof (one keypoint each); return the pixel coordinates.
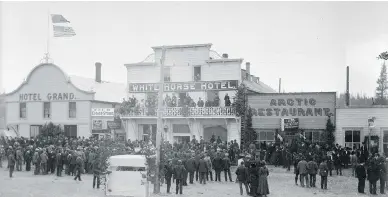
(183, 46)
(104, 91)
(258, 87)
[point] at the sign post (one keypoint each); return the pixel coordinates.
(371, 125)
(159, 123)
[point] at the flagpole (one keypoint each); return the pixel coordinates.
(48, 37)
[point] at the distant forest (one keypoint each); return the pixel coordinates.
(358, 100)
(2, 111)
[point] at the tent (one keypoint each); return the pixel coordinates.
(7, 133)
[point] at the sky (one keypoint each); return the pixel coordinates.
(307, 44)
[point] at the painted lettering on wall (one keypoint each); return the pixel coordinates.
(184, 86)
(292, 107)
(49, 97)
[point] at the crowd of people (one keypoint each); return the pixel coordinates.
(198, 160)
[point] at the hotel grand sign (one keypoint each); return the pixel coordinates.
(59, 96)
(184, 86)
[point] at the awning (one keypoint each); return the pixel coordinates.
(7, 133)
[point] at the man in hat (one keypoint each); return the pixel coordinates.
(43, 161)
(209, 167)
(11, 162)
(361, 175)
(203, 169)
(226, 164)
(36, 161)
(190, 166)
(19, 159)
(303, 172)
(218, 166)
(242, 177)
(96, 168)
(59, 162)
(28, 158)
(383, 173)
(168, 171)
(179, 176)
(2, 155)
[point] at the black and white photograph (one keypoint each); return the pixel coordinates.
(193, 98)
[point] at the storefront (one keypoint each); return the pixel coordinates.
(49, 95)
(291, 113)
(356, 124)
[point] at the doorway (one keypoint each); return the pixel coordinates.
(216, 131)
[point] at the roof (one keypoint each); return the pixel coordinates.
(42, 65)
(183, 46)
(225, 60)
(104, 91)
(258, 87)
(363, 107)
(128, 160)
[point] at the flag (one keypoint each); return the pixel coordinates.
(57, 18)
(280, 137)
(63, 31)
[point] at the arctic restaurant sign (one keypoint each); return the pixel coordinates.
(184, 86)
(293, 105)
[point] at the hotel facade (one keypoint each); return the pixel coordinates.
(83, 107)
(199, 86)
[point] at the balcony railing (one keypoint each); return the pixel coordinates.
(183, 112)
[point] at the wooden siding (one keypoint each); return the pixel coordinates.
(262, 101)
(221, 71)
(356, 118)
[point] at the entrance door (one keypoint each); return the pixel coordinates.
(71, 131)
(216, 131)
(35, 130)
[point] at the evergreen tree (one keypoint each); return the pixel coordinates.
(50, 129)
(382, 86)
(249, 134)
(330, 129)
(240, 100)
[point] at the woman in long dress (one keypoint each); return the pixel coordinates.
(263, 188)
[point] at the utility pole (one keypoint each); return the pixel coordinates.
(160, 122)
(280, 85)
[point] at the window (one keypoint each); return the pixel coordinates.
(35, 130)
(71, 131)
(167, 74)
(23, 110)
(47, 110)
(352, 139)
(313, 135)
(180, 128)
(265, 136)
(72, 109)
(197, 73)
(385, 142)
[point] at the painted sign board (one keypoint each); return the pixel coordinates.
(185, 86)
(103, 111)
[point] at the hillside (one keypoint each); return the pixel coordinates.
(2, 112)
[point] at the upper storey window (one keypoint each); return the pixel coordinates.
(197, 73)
(167, 74)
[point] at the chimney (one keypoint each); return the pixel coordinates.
(225, 56)
(257, 79)
(280, 84)
(98, 72)
(248, 69)
(347, 101)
